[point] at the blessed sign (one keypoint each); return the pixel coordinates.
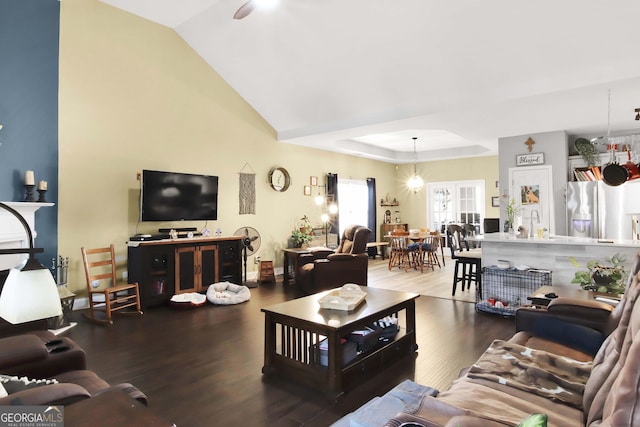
(530, 159)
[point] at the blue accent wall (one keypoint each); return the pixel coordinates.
(29, 44)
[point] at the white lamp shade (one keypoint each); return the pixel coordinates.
(29, 295)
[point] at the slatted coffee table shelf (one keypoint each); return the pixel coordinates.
(294, 330)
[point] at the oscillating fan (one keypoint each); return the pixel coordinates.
(250, 245)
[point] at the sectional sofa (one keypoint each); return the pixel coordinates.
(548, 368)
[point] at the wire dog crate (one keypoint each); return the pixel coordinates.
(503, 291)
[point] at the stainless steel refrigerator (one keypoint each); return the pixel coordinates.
(597, 210)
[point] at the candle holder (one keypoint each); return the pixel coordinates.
(29, 197)
(41, 197)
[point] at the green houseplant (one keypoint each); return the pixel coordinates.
(606, 276)
(299, 238)
(512, 209)
(303, 234)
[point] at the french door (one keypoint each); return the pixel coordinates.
(455, 202)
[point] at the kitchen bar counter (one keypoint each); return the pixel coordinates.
(559, 254)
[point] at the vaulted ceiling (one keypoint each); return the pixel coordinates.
(365, 76)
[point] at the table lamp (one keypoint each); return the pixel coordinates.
(30, 293)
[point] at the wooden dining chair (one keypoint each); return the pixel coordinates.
(105, 294)
(429, 248)
(400, 255)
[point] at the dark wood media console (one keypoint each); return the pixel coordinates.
(164, 268)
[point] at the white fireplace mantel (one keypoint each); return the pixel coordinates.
(12, 232)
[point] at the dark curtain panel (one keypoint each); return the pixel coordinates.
(371, 214)
(332, 196)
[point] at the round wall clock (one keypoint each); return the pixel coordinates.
(279, 179)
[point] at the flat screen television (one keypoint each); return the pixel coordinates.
(170, 196)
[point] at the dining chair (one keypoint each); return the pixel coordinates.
(429, 248)
(400, 255)
(468, 267)
(105, 295)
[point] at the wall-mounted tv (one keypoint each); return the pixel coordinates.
(170, 196)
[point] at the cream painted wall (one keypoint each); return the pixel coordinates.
(133, 96)
(413, 207)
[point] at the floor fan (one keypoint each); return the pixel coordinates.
(250, 245)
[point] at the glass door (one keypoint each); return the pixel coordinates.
(441, 204)
(455, 202)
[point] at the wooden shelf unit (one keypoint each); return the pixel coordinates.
(387, 228)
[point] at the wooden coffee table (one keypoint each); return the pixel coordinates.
(294, 328)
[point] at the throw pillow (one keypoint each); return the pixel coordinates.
(534, 420)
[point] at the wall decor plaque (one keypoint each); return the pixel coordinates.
(530, 159)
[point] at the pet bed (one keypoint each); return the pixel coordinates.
(226, 293)
(188, 300)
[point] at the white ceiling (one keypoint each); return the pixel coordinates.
(365, 76)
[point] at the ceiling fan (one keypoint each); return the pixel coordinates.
(249, 6)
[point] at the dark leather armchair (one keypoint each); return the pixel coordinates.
(29, 362)
(39, 354)
(64, 389)
(348, 264)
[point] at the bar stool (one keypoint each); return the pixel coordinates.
(468, 268)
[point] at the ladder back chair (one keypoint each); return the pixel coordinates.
(400, 254)
(105, 294)
(430, 247)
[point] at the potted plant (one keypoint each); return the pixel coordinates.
(587, 151)
(299, 238)
(303, 234)
(305, 225)
(607, 276)
(512, 209)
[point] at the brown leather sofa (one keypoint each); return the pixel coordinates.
(69, 387)
(500, 389)
(320, 271)
(40, 354)
(39, 357)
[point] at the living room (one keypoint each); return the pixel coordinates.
(116, 94)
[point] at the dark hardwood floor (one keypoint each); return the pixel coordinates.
(202, 367)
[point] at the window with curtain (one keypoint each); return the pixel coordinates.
(353, 202)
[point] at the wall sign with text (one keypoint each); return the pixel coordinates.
(530, 159)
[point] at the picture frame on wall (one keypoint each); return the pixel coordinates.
(307, 190)
(495, 202)
(313, 180)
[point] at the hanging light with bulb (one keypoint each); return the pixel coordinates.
(415, 183)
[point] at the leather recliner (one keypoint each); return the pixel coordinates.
(348, 264)
(39, 357)
(40, 354)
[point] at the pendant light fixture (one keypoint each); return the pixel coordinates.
(415, 183)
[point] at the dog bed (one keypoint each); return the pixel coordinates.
(226, 293)
(188, 300)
